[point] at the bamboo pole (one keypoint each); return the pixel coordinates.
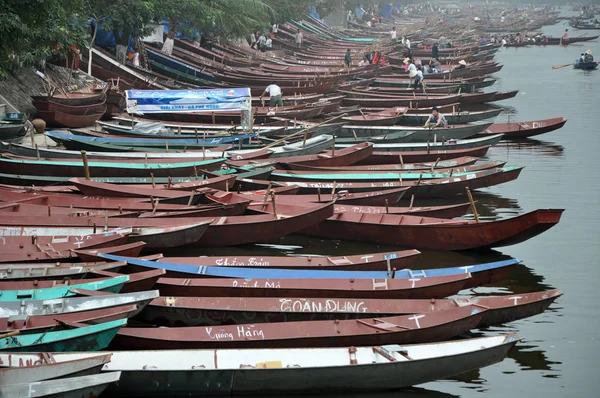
(472, 204)
(274, 204)
(86, 167)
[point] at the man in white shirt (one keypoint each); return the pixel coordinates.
(298, 38)
(262, 40)
(503, 42)
(393, 34)
(274, 93)
(407, 43)
(269, 44)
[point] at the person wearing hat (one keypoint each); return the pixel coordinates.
(588, 57)
(436, 119)
(462, 64)
(416, 77)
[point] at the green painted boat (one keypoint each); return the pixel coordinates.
(358, 177)
(84, 338)
(113, 285)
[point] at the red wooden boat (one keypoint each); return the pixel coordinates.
(482, 98)
(40, 323)
(57, 248)
(128, 250)
(437, 188)
(50, 105)
(428, 287)
(39, 209)
(376, 198)
(425, 166)
(60, 119)
(387, 117)
(207, 311)
(422, 156)
(516, 130)
(341, 157)
(387, 101)
(432, 326)
(435, 233)
(360, 262)
(305, 175)
(85, 96)
(447, 211)
(223, 231)
(138, 282)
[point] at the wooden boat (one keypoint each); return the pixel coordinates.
(387, 101)
(138, 281)
(209, 311)
(442, 164)
(61, 119)
(12, 126)
(425, 189)
(376, 198)
(369, 261)
(72, 387)
(129, 250)
(179, 234)
(66, 305)
(419, 134)
(51, 106)
(433, 233)
(368, 175)
(347, 156)
(87, 337)
(57, 248)
(438, 287)
(388, 117)
(426, 327)
(460, 117)
(85, 96)
(314, 370)
(447, 211)
(113, 285)
(43, 271)
(439, 145)
(422, 156)
(585, 65)
(53, 322)
(110, 169)
(516, 130)
(223, 231)
(18, 369)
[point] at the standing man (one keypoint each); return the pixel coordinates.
(435, 51)
(274, 93)
(394, 34)
(298, 38)
(347, 59)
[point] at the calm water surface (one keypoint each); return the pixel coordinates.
(559, 354)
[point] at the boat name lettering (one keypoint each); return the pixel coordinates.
(306, 305)
(218, 335)
(22, 363)
(538, 124)
(250, 331)
(249, 283)
(252, 261)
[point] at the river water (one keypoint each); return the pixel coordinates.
(558, 354)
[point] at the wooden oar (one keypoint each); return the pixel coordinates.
(560, 66)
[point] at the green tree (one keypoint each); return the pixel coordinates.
(31, 29)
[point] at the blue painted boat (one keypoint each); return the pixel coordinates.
(113, 285)
(179, 66)
(277, 273)
(155, 142)
(585, 65)
(84, 338)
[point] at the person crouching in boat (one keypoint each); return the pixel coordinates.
(588, 57)
(274, 93)
(436, 119)
(417, 78)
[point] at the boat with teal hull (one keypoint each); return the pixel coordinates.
(113, 285)
(84, 338)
